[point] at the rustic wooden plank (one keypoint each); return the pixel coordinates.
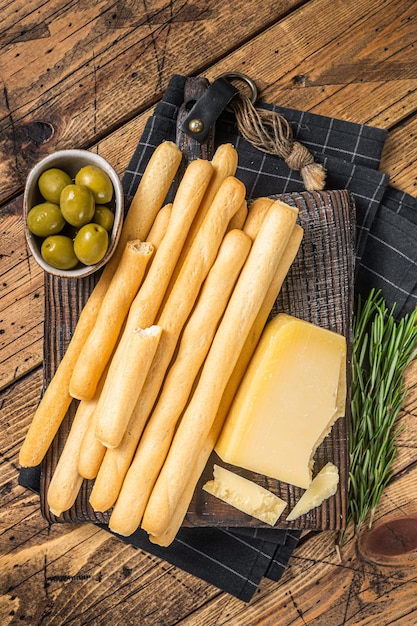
(399, 157)
(358, 66)
(21, 301)
(378, 98)
(70, 76)
(17, 402)
(354, 90)
(81, 574)
(407, 438)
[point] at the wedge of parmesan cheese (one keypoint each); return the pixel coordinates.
(323, 486)
(245, 495)
(292, 393)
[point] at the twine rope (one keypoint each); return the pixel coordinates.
(270, 132)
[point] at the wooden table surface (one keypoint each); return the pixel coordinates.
(87, 75)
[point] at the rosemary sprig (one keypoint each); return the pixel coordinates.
(382, 349)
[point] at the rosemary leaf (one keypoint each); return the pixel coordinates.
(382, 350)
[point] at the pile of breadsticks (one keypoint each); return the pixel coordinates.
(162, 343)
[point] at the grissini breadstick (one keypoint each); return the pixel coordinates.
(234, 381)
(268, 302)
(149, 198)
(187, 199)
(194, 345)
(174, 315)
(88, 369)
(224, 163)
(91, 450)
(262, 317)
(127, 373)
(66, 479)
(177, 518)
(160, 225)
(256, 214)
(239, 217)
(240, 314)
(152, 190)
(194, 270)
(103, 336)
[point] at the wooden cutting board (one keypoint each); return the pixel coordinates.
(318, 288)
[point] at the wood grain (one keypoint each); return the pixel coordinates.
(357, 67)
(92, 74)
(72, 74)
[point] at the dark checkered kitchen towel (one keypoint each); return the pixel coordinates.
(236, 559)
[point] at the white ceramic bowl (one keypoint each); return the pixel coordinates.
(71, 161)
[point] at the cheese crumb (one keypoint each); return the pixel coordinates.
(245, 495)
(323, 486)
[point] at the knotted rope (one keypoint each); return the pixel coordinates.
(270, 132)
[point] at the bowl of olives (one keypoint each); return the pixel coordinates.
(73, 208)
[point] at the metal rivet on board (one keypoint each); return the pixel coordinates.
(196, 126)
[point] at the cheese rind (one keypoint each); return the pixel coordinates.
(291, 395)
(323, 486)
(245, 495)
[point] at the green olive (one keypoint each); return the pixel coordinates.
(104, 216)
(98, 181)
(51, 182)
(45, 219)
(77, 204)
(58, 251)
(91, 243)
